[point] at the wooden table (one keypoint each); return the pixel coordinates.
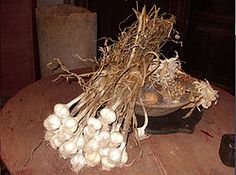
(175, 154)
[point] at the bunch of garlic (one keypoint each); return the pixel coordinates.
(96, 141)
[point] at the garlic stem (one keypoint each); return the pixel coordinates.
(75, 100)
(141, 130)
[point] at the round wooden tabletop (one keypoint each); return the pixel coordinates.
(174, 154)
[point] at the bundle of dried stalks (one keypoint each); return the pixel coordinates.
(93, 128)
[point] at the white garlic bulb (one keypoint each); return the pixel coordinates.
(93, 158)
(62, 110)
(80, 142)
(89, 132)
(96, 123)
(108, 115)
(55, 142)
(53, 122)
(103, 139)
(124, 158)
(92, 146)
(78, 160)
(49, 134)
(116, 138)
(63, 136)
(70, 124)
(106, 165)
(68, 148)
(104, 152)
(115, 154)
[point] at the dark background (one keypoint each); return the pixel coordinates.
(206, 28)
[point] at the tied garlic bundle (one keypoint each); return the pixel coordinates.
(93, 128)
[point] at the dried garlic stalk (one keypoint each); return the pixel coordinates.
(93, 128)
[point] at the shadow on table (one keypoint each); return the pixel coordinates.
(3, 169)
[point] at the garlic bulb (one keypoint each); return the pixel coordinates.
(62, 110)
(89, 132)
(78, 159)
(116, 138)
(108, 115)
(104, 152)
(55, 142)
(49, 134)
(93, 158)
(115, 154)
(103, 139)
(63, 136)
(96, 123)
(53, 122)
(124, 158)
(106, 165)
(70, 124)
(80, 142)
(92, 146)
(68, 148)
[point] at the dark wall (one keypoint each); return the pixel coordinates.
(209, 50)
(18, 44)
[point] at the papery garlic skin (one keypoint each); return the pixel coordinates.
(93, 158)
(108, 115)
(80, 142)
(115, 154)
(70, 124)
(141, 133)
(61, 110)
(116, 138)
(92, 146)
(104, 152)
(67, 149)
(55, 142)
(89, 132)
(103, 139)
(70, 147)
(96, 123)
(63, 135)
(124, 158)
(78, 159)
(49, 135)
(106, 165)
(53, 122)
(207, 94)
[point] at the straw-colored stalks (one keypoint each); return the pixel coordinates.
(93, 128)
